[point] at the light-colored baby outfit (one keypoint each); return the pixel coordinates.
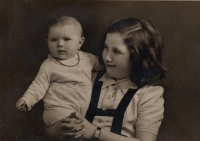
(63, 89)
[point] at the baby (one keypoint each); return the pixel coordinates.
(64, 79)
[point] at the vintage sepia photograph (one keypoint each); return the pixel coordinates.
(99, 70)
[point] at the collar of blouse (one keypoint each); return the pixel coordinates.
(124, 85)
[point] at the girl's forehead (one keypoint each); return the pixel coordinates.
(114, 38)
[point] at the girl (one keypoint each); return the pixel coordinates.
(124, 104)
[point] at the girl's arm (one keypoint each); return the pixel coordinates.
(105, 135)
(145, 136)
(140, 136)
(65, 129)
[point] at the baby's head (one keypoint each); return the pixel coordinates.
(65, 37)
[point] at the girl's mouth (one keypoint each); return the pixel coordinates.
(110, 65)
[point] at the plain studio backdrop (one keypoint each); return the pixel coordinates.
(23, 48)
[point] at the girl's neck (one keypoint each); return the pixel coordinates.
(122, 80)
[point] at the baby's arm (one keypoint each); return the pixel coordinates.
(21, 105)
(96, 64)
(37, 90)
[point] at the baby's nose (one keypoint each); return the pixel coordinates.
(60, 43)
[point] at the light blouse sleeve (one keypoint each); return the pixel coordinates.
(150, 109)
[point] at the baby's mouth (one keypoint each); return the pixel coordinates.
(61, 51)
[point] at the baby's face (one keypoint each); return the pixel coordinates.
(64, 41)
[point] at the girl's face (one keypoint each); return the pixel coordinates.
(64, 41)
(116, 57)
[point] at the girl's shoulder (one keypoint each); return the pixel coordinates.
(150, 88)
(150, 91)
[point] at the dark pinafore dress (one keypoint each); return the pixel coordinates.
(118, 113)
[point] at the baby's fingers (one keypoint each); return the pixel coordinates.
(22, 108)
(20, 103)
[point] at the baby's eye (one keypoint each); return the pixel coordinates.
(53, 40)
(66, 39)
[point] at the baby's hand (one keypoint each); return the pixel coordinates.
(21, 105)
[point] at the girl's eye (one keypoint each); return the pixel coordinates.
(105, 47)
(116, 51)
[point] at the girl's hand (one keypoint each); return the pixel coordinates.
(21, 105)
(56, 131)
(83, 129)
(65, 130)
(77, 131)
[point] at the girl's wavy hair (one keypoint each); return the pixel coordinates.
(145, 45)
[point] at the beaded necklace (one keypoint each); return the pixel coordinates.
(68, 65)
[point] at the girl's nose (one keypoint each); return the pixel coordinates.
(108, 57)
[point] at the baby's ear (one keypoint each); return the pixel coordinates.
(82, 40)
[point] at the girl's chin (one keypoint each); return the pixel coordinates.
(116, 76)
(113, 74)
